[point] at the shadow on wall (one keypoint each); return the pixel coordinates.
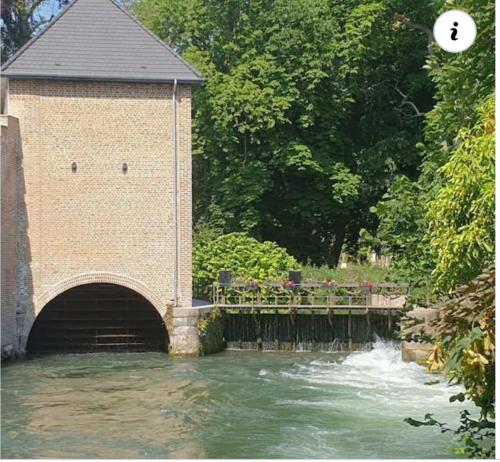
(17, 306)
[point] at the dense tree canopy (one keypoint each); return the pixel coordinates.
(310, 109)
(442, 224)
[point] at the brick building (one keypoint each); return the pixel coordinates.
(96, 188)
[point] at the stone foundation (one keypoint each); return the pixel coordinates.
(183, 331)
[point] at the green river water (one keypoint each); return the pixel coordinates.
(229, 405)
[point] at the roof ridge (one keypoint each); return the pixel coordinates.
(36, 37)
(160, 41)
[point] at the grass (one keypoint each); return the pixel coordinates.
(353, 273)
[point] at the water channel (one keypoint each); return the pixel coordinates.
(228, 405)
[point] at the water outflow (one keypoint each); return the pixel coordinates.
(379, 374)
(306, 332)
(229, 405)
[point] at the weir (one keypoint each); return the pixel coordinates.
(305, 332)
(306, 316)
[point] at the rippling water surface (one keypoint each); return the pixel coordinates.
(234, 404)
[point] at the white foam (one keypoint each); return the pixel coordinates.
(378, 375)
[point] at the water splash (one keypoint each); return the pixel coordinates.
(378, 375)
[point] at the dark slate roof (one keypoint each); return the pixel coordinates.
(98, 40)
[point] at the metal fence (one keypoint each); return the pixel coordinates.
(308, 294)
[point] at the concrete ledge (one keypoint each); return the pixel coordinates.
(190, 312)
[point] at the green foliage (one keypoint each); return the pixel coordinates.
(401, 234)
(463, 81)
(462, 216)
(204, 233)
(301, 125)
(465, 340)
(244, 256)
(442, 222)
(353, 273)
(401, 226)
(464, 349)
(477, 436)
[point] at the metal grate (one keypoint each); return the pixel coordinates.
(98, 318)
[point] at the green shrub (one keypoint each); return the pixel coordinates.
(244, 256)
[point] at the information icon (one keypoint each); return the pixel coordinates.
(454, 31)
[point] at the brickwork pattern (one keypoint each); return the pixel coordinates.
(98, 219)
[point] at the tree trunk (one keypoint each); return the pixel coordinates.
(337, 244)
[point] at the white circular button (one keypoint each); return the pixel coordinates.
(454, 31)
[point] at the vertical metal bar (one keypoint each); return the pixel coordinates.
(368, 326)
(349, 330)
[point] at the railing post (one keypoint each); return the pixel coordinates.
(349, 330)
(224, 281)
(368, 325)
(295, 276)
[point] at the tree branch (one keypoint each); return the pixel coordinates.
(405, 101)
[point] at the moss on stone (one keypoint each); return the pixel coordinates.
(211, 328)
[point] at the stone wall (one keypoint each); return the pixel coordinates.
(10, 155)
(418, 323)
(89, 217)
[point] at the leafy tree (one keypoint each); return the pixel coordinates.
(463, 81)
(400, 234)
(455, 133)
(462, 215)
(305, 118)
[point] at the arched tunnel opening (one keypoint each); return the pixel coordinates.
(98, 318)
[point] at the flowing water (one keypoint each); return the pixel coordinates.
(234, 404)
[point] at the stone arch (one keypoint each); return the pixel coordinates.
(97, 277)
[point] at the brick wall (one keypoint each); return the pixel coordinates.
(100, 220)
(9, 163)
